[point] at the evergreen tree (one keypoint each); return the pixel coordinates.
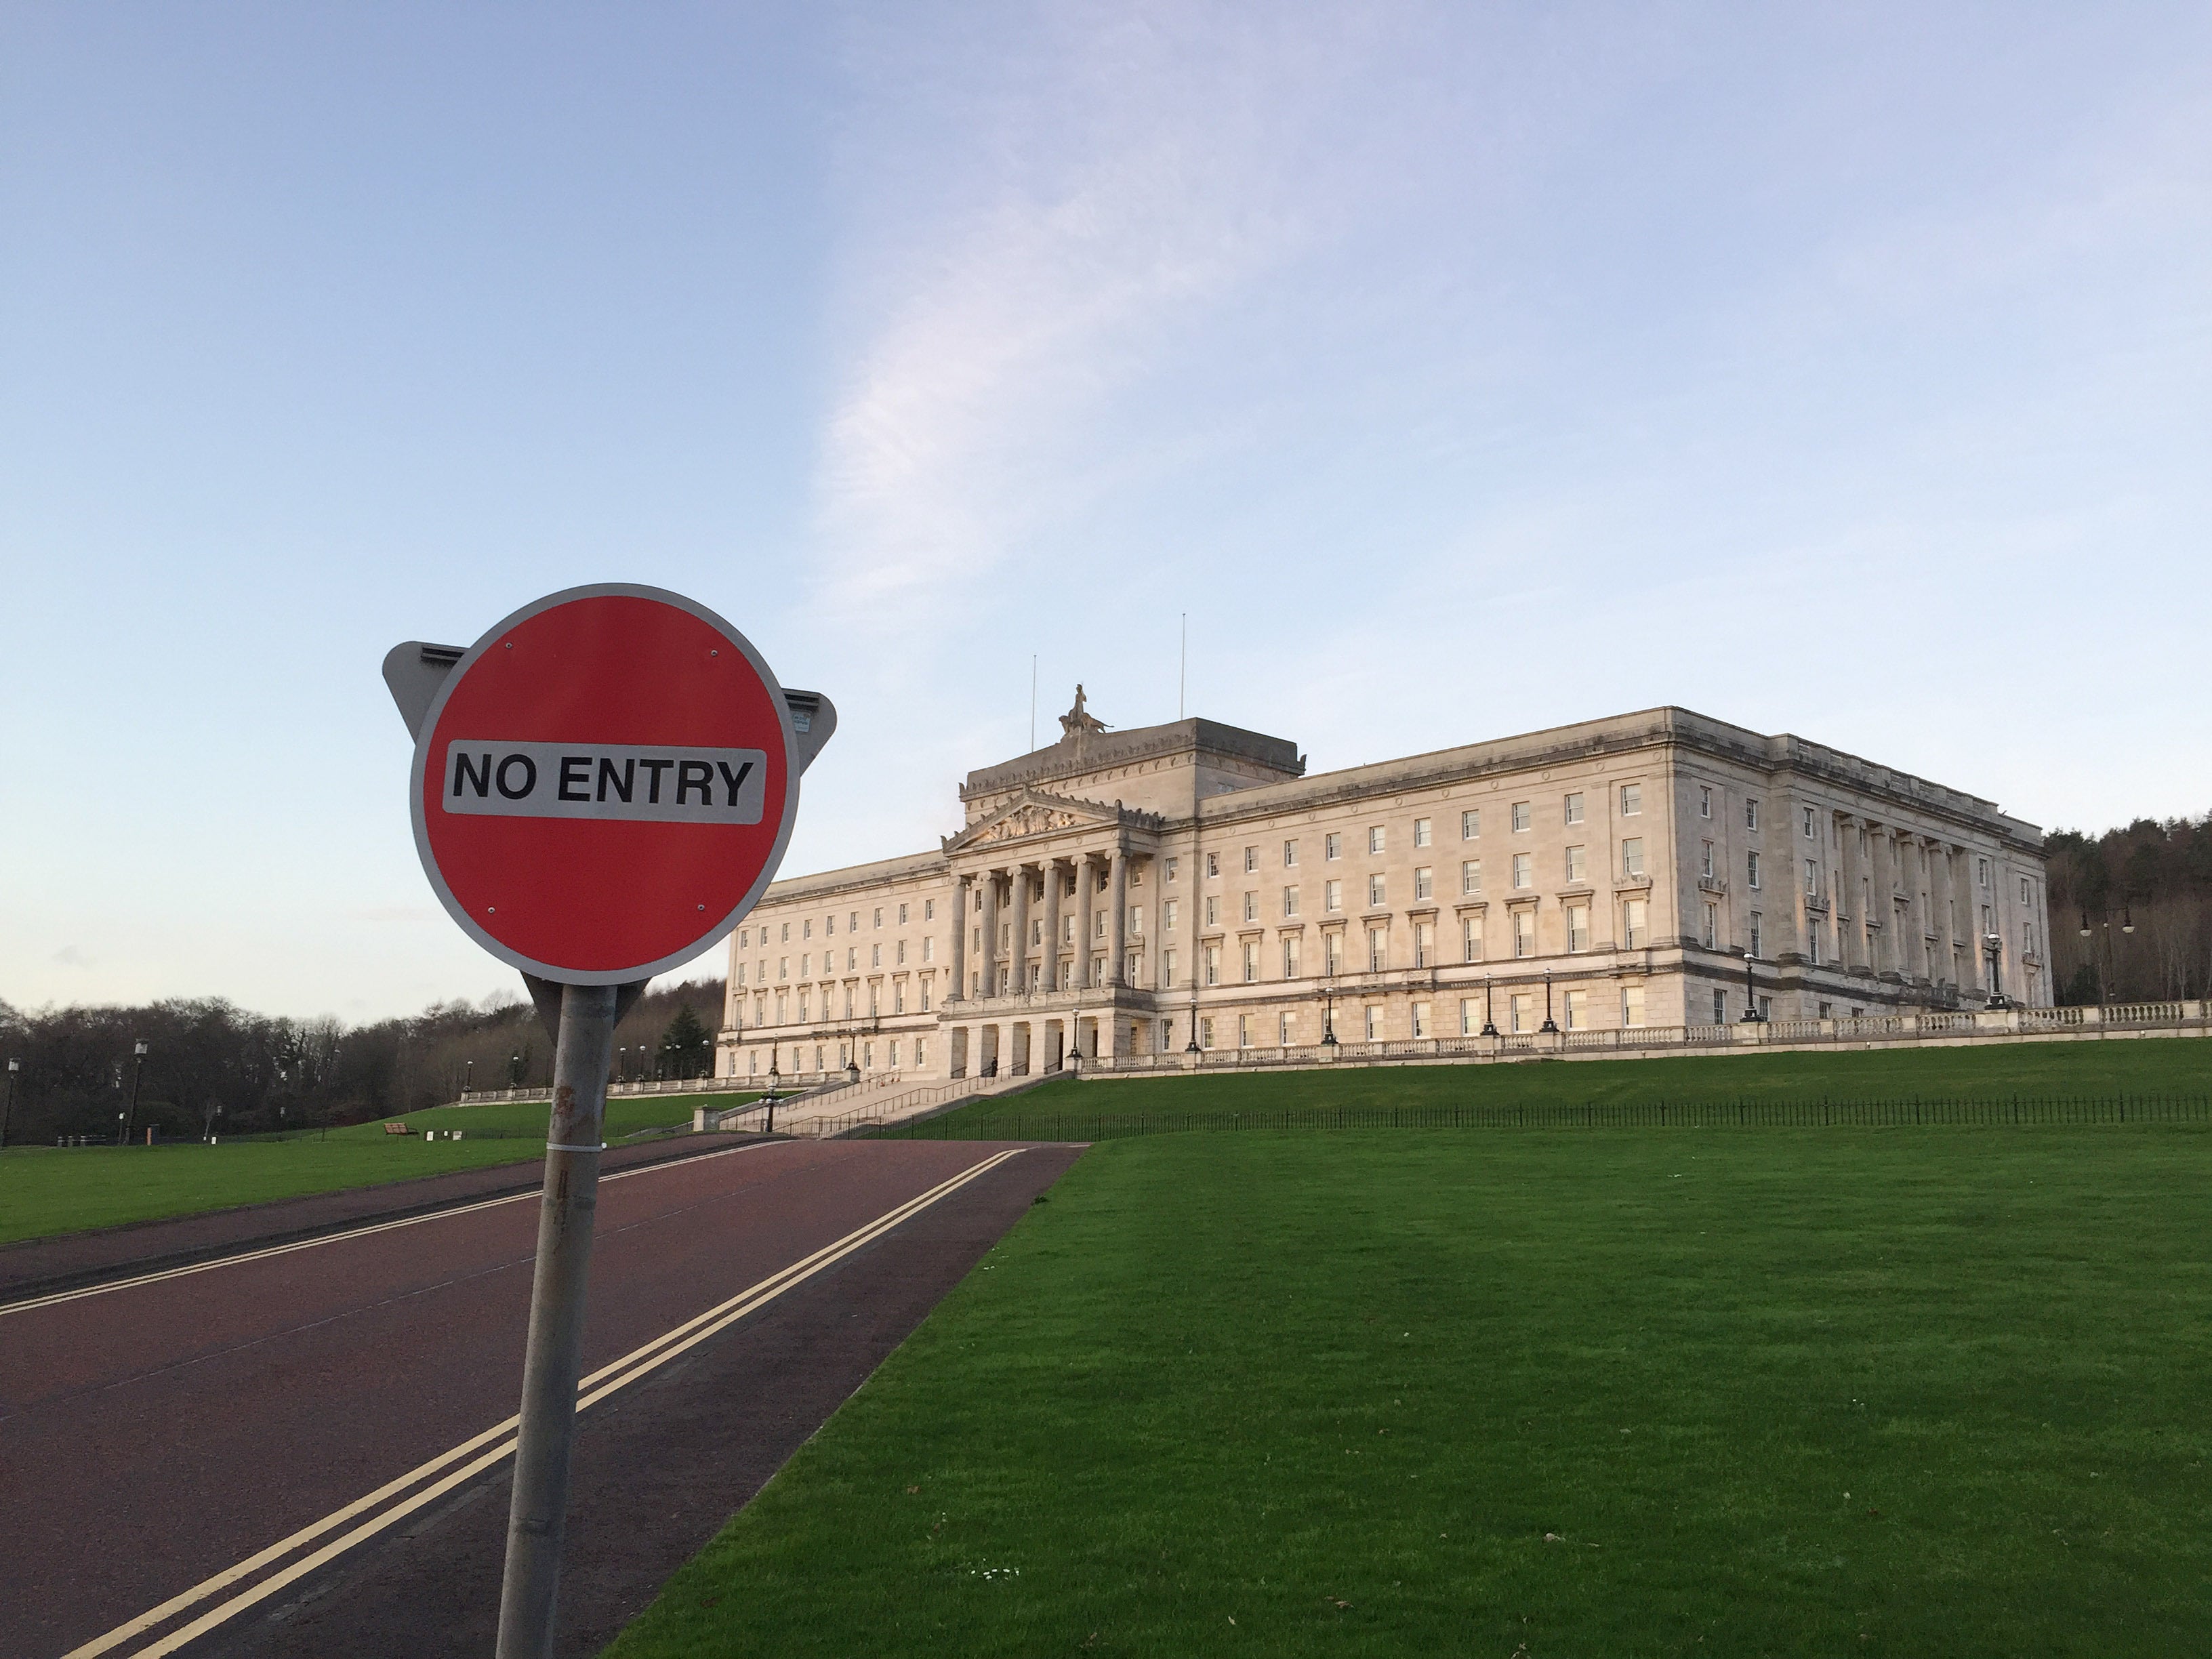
(687, 1047)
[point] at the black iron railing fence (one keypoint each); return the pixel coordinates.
(1742, 1112)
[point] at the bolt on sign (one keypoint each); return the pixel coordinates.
(603, 784)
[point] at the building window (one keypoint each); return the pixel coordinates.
(924, 1009)
(1168, 869)
(783, 967)
(898, 1000)
(1425, 943)
(1631, 856)
(1467, 1009)
(1751, 870)
(1251, 859)
(806, 928)
(1577, 865)
(1520, 1012)
(1711, 934)
(1243, 1030)
(879, 917)
(1578, 928)
(1421, 835)
(1981, 877)
(1705, 860)
(1812, 947)
(875, 958)
(1524, 933)
(1137, 919)
(1206, 1031)
(1524, 870)
(2024, 898)
(1167, 970)
(1470, 930)
(1633, 936)
(1213, 864)
(1811, 834)
(1575, 1005)
(1631, 1004)
(1213, 909)
(1291, 957)
(1424, 882)
(1378, 950)
(1331, 895)
(1214, 964)
(1332, 952)
(1251, 907)
(1332, 846)
(1375, 892)
(1574, 804)
(1755, 936)
(1285, 1029)
(1289, 855)
(1720, 1007)
(1290, 901)
(902, 915)
(785, 936)
(1521, 818)
(1130, 964)
(1631, 799)
(1374, 838)
(1470, 826)
(852, 958)
(1750, 813)
(1812, 879)
(1251, 961)
(1470, 875)
(802, 1006)
(1704, 801)
(1168, 916)
(1421, 1021)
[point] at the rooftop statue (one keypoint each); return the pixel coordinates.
(1076, 719)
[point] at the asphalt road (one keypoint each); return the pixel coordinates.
(304, 1452)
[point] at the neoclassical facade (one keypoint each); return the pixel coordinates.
(1131, 892)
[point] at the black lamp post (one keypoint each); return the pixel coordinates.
(468, 1076)
(8, 1108)
(514, 1070)
(1750, 1014)
(131, 1114)
(1328, 1014)
(1489, 1025)
(1547, 1025)
(774, 1077)
(2105, 964)
(1993, 948)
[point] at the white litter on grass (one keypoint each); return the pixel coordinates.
(994, 1572)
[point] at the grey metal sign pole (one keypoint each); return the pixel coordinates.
(553, 1360)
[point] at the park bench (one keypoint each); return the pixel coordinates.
(399, 1128)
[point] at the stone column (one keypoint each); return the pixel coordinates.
(1017, 958)
(961, 909)
(1969, 918)
(1086, 890)
(1851, 887)
(1882, 904)
(986, 959)
(1939, 917)
(1117, 924)
(1052, 880)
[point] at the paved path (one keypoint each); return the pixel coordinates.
(35, 1266)
(305, 1452)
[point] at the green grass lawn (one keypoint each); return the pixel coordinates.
(1924, 1393)
(1102, 1106)
(49, 1190)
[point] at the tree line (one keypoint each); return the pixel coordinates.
(2143, 896)
(213, 1067)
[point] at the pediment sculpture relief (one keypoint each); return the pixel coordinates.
(1030, 821)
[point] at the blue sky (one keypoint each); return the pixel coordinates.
(1461, 370)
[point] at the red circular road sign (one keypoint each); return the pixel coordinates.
(604, 784)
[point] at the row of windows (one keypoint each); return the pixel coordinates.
(1570, 1010)
(829, 924)
(1522, 813)
(829, 960)
(853, 1003)
(916, 1047)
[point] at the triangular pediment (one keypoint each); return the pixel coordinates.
(1034, 812)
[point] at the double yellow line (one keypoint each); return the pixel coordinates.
(262, 1255)
(483, 1451)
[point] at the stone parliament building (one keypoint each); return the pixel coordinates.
(1130, 894)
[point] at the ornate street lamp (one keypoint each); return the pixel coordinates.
(1547, 1025)
(1750, 1014)
(1993, 948)
(2106, 963)
(1489, 1025)
(7, 1110)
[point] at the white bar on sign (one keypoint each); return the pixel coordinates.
(655, 783)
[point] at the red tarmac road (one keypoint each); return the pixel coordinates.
(154, 1436)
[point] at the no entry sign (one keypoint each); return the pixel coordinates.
(605, 783)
